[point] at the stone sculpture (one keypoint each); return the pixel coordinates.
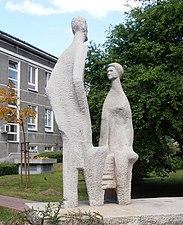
(67, 97)
(117, 134)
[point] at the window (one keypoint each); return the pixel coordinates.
(48, 149)
(33, 78)
(13, 73)
(48, 120)
(33, 149)
(32, 122)
(47, 77)
(13, 132)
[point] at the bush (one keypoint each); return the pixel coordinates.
(8, 169)
(177, 162)
(50, 215)
(53, 155)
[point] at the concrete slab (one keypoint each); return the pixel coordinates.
(148, 211)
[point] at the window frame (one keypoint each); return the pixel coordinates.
(33, 149)
(48, 127)
(16, 70)
(16, 81)
(33, 121)
(16, 133)
(32, 78)
(49, 146)
(47, 77)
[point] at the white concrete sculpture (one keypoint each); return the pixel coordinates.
(117, 134)
(67, 96)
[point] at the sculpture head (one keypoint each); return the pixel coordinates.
(114, 70)
(79, 24)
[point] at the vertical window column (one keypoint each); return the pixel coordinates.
(32, 122)
(13, 73)
(47, 77)
(13, 77)
(13, 132)
(33, 78)
(48, 120)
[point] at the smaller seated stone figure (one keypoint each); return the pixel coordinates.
(117, 135)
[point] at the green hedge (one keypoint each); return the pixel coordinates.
(54, 155)
(177, 162)
(8, 169)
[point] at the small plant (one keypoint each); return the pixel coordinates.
(82, 218)
(51, 216)
(13, 112)
(18, 218)
(54, 155)
(39, 157)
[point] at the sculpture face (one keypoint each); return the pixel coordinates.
(112, 73)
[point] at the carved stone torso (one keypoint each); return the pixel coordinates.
(116, 115)
(71, 122)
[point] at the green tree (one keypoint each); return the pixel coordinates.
(96, 82)
(13, 112)
(149, 46)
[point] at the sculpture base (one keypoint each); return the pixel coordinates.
(148, 211)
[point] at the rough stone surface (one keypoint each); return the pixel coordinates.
(67, 96)
(117, 135)
(149, 211)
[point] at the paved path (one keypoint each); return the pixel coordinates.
(149, 211)
(13, 203)
(152, 211)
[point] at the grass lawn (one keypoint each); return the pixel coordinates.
(44, 187)
(48, 188)
(154, 186)
(6, 213)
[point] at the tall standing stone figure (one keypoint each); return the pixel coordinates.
(107, 168)
(117, 134)
(67, 96)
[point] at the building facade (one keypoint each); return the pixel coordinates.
(29, 69)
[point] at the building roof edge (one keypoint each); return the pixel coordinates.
(27, 45)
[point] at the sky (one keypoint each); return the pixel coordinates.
(45, 24)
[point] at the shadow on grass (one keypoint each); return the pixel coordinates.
(151, 187)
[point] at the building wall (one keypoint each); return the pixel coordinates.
(26, 55)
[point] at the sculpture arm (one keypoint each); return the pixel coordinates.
(104, 131)
(78, 74)
(129, 133)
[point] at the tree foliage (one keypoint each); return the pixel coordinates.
(96, 79)
(10, 109)
(149, 45)
(13, 112)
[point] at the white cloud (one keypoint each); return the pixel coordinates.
(28, 6)
(96, 8)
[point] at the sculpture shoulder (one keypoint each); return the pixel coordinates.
(116, 103)
(115, 98)
(79, 49)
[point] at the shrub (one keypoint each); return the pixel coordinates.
(53, 155)
(50, 216)
(177, 162)
(8, 169)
